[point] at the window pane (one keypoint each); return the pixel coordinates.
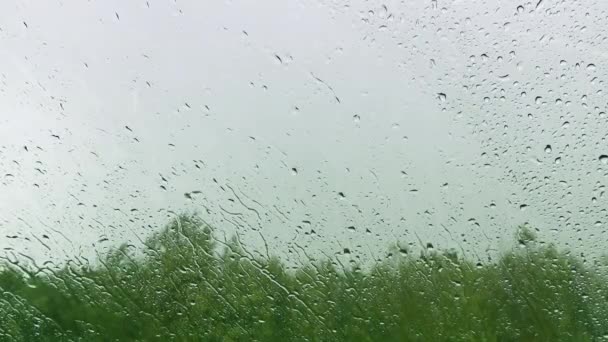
(303, 170)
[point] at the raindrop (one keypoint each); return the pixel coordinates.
(548, 149)
(520, 9)
(294, 171)
(442, 97)
(591, 67)
(604, 159)
(356, 118)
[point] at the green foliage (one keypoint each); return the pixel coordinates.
(187, 286)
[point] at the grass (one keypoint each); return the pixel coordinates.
(188, 286)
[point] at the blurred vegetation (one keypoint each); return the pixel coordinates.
(188, 286)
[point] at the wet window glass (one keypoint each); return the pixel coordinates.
(291, 170)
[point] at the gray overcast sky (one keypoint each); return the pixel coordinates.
(453, 121)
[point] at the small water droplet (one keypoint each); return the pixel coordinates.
(356, 118)
(591, 67)
(548, 149)
(520, 9)
(604, 159)
(294, 171)
(442, 97)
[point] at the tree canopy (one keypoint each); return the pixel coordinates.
(188, 286)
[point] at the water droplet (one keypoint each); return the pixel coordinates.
(294, 171)
(591, 67)
(548, 149)
(356, 118)
(520, 9)
(442, 96)
(604, 159)
(351, 228)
